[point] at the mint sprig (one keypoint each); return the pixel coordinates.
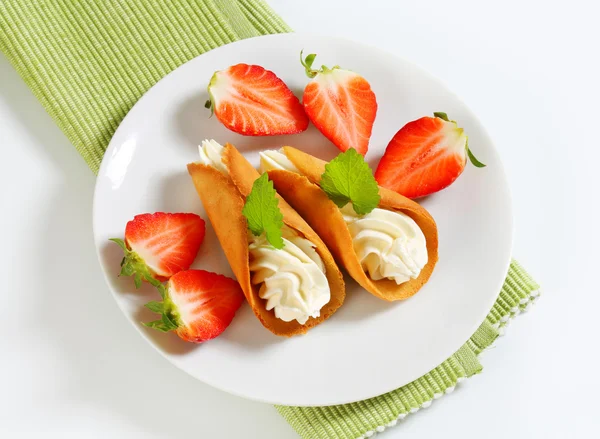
(262, 211)
(348, 179)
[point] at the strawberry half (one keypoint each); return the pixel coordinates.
(159, 245)
(198, 305)
(341, 104)
(253, 101)
(424, 157)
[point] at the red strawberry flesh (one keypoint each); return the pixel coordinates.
(200, 305)
(158, 245)
(342, 106)
(167, 242)
(425, 156)
(253, 101)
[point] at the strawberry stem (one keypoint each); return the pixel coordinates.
(307, 63)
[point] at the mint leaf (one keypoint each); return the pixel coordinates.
(262, 211)
(348, 178)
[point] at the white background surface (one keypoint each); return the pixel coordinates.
(73, 367)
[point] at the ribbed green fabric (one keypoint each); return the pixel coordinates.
(365, 418)
(88, 62)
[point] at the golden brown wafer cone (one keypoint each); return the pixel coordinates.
(223, 199)
(307, 198)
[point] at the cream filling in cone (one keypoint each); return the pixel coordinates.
(293, 278)
(388, 244)
(211, 154)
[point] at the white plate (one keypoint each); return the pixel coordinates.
(369, 346)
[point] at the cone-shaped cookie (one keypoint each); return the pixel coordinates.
(302, 192)
(223, 198)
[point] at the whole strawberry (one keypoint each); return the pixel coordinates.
(159, 245)
(425, 156)
(341, 104)
(253, 101)
(198, 305)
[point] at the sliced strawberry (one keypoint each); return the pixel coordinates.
(253, 101)
(341, 104)
(198, 305)
(424, 157)
(158, 245)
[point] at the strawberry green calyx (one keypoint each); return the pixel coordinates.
(210, 102)
(133, 265)
(470, 154)
(441, 115)
(170, 319)
(308, 62)
(472, 158)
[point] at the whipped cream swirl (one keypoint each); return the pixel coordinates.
(388, 244)
(293, 278)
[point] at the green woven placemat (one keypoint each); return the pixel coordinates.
(88, 62)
